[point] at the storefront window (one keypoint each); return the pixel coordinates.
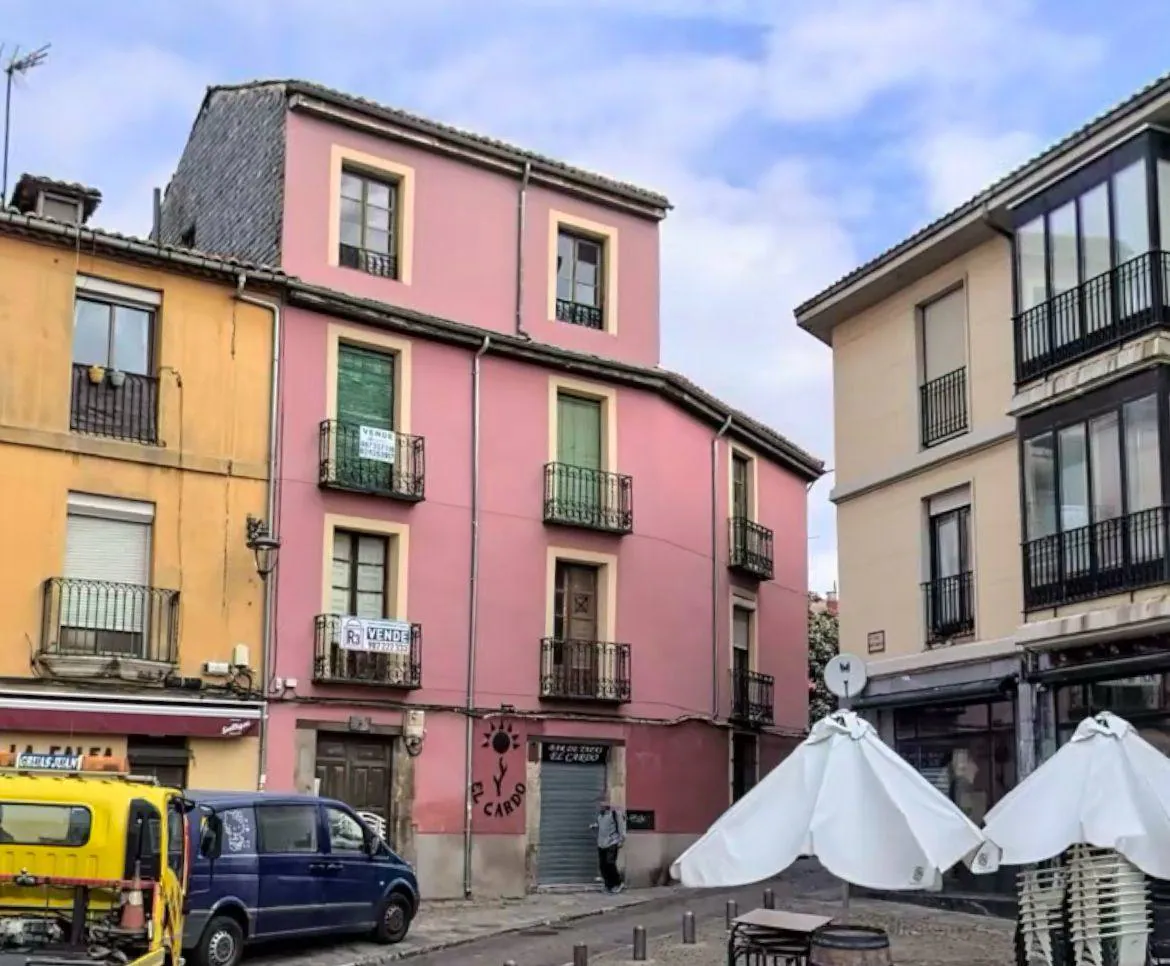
(1143, 700)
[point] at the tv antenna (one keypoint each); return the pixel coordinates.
(17, 65)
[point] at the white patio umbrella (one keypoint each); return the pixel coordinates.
(846, 798)
(1108, 787)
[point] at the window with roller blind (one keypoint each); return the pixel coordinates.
(943, 384)
(106, 603)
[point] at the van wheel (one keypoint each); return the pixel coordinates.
(393, 920)
(222, 943)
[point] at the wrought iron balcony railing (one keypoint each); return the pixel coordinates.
(751, 548)
(114, 404)
(363, 459)
(950, 607)
(1098, 313)
(576, 313)
(576, 496)
(943, 407)
(104, 620)
(1106, 557)
(372, 263)
(752, 697)
(574, 670)
(344, 653)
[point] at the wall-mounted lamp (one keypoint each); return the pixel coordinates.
(263, 545)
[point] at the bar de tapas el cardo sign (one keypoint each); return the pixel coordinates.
(379, 637)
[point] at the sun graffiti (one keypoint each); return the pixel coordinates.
(501, 738)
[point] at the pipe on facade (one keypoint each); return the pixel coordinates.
(266, 629)
(472, 614)
(520, 233)
(715, 566)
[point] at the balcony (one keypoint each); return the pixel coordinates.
(750, 549)
(752, 697)
(575, 496)
(1108, 557)
(372, 263)
(114, 404)
(86, 624)
(576, 313)
(380, 654)
(362, 459)
(949, 604)
(1097, 314)
(572, 670)
(943, 408)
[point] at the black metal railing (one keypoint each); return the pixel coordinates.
(114, 404)
(950, 607)
(575, 670)
(943, 407)
(1098, 313)
(375, 461)
(101, 619)
(1106, 557)
(752, 697)
(342, 653)
(577, 496)
(372, 263)
(576, 313)
(751, 550)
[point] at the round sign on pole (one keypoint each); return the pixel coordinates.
(845, 676)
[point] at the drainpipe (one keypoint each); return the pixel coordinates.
(266, 631)
(521, 207)
(472, 614)
(715, 566)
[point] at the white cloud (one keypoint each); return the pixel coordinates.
(663, 103)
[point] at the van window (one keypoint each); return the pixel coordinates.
(65, 826)
(287, 828)
(175, 830)
(345, 832)
(239, 832)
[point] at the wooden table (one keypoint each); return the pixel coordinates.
(772, 937)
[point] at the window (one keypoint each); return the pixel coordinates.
(365, 446)
(115, 336)
(580, 280)
(741, 660)
(287, 828)
(345, 832)
(740, 486)
(369, 224)
(61, 209)
(575, 605)
(66, 826)
(744, 765)
(949, 590)
(176, 838)
(360, 570)
(237, 831)
(943, 392)
(1093, 501)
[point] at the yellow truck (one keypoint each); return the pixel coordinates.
(93, 864)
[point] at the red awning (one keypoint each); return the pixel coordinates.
(123, 718)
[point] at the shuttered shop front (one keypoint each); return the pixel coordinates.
(572, 784)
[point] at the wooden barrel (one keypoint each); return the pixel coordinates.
(834, 945)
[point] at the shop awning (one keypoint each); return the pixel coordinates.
(942, 694)
(79, 716)
(1122, 667)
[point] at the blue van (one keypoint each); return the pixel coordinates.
(274, 866)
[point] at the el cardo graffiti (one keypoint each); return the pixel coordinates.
(503, 793)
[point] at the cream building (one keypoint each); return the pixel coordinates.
(1002, 417)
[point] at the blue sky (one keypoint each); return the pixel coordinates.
(794, 138)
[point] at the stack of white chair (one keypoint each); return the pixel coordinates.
(1108, 905)
(375, 823)
(1041, 892)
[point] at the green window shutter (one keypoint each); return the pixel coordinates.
(579, 431)
(365, 387)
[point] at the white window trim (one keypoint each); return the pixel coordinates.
(111, 508)
(117, 291)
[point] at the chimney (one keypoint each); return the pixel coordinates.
(64, 201)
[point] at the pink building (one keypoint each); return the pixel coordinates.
(522, 566)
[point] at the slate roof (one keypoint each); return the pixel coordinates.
(446, 132)
(1150, 92)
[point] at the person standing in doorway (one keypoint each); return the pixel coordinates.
(611, 836)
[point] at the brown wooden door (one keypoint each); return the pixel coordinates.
(356, 771)
(577, 625)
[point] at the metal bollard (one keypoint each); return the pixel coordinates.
(732, 912)
(580, 955)
(688, 928)
(639, 944)
(769, 899)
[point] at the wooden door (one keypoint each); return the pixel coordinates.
(739, 487)
(579, 455)
(577, 625)
(356, 771)
(365, 397)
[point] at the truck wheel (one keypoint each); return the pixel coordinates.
(393, 921)
(222, 943)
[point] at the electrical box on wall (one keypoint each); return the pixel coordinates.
(240, 656)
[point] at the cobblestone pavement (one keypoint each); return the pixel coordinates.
(919, 936)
